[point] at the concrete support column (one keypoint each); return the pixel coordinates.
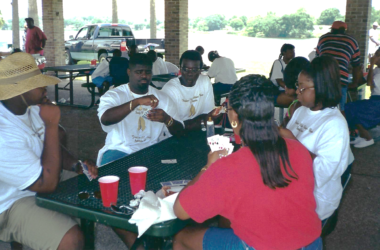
(52, 18)
(176, 29)
(153, 24)
(33, 12)
(15, 27)
(358, 14)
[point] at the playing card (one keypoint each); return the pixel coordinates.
(144, 115)
(172, 161)
(85, 171)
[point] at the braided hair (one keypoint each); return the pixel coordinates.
(252, 99)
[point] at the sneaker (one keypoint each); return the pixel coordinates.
(364, 143)
(357, 140)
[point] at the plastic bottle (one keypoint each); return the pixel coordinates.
(203, 127)
(210, 127)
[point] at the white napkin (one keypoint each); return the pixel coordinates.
(153, 210)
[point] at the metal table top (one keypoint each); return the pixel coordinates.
(191, 154)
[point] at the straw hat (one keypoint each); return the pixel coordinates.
(19, 74)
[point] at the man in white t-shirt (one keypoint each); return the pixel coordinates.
(191, 92)
(277, 74)
(159, 67)
(136, 115)
(373, 39)
(223, 69)
(31, 159)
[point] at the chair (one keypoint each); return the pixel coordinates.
(118, 70)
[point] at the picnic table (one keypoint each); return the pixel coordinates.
(191, 155)
(74, 71)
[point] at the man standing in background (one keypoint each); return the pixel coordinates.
(35, 38)
(373, 39)
(345, 50)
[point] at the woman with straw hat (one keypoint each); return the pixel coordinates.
(30, 159)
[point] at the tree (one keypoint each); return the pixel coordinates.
(244, 19)
(375, 16)
(202, 26)
(115, 18)
(297, 25)
(237, 24)
(216, 22)
(2, 22)
(329, 16)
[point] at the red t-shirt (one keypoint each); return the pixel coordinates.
(265, 218)
(34, 37)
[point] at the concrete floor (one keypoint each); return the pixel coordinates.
(358, 225)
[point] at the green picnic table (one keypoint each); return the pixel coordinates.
(191, 155)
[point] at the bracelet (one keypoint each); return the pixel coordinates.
(171, 121)
(130, 105)
(204, 169)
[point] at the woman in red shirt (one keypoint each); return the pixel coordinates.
(265, 189)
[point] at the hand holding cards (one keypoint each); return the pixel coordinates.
(218, 142)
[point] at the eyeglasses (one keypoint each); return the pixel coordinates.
(194, 70)
(123, 209)
(84, 195)
(303, 89)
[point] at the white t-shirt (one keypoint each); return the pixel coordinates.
(376, 82)
(278, 72)
(375, 35)
(20, 154)
(191, 101)
(223, 69)
(325, 134)
(102, 70)
(159, 68)
(134, 132)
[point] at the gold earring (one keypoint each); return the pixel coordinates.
(234, 124)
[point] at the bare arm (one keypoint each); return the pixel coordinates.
(51, 158)
(116, 114)
(280, 82)
(357, 76)
(195, 123)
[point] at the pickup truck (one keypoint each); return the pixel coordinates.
(98, 41)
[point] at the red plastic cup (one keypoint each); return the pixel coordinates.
(109, 187)
(237, 139)
(93, 63)
(137, 178)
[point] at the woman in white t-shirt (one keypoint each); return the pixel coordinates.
(223, 69)
(276, 74)
(365, 114)
(322, 129)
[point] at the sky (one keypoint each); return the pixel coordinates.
(128, 9)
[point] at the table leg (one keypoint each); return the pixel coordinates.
(56, 89)
(71, 89)
(89, 233)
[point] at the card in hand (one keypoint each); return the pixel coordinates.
(145, 114)
(218, 142)
(85, 171)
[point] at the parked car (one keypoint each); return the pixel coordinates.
(98, 41)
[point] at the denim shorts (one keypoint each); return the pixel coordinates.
(222, 238)
(111, 155)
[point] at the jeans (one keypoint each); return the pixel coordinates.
(224, 238)
(112, 155)
(98, 81)
(344, 98)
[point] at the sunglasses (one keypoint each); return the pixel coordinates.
(303, 89)
(84, 195)
(123, 209)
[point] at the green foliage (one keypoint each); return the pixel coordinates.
(328, 16)
(196, 21)
(375, 16)
(202, 26)
(216, 22)
(139, 26)
(244, 19)
(2, 22)
(237, 24)
(158, 22)
(297, 25)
